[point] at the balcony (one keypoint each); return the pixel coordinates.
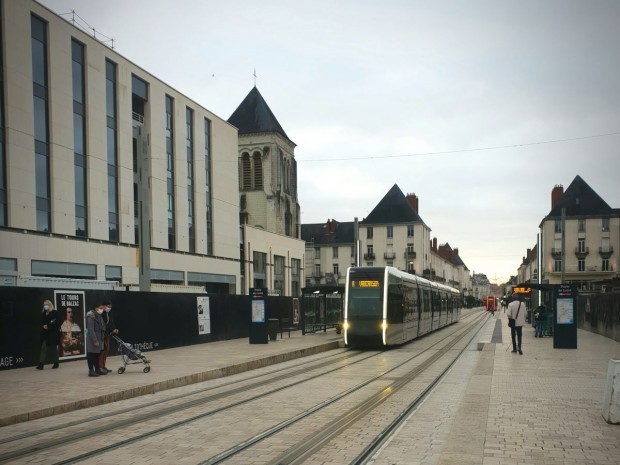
(389, 255)
(605, 252)
(582, 252)
(556, 253)
(409, 255)
(369, 256)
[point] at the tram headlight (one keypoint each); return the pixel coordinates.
(346, 325)
(384, 325)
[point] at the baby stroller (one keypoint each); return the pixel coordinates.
(130, 356)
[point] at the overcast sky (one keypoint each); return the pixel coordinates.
(477, 107)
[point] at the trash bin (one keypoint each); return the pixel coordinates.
(272, 327)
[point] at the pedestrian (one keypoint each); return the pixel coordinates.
(539, 318)
(110, 328)
(49, 338)
(516, 311)
(95, 329)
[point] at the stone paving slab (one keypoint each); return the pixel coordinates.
(27, 393)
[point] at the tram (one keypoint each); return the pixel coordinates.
(490, 304)
(385, 306)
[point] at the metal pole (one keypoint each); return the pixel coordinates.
(563, 223)
(356, 232)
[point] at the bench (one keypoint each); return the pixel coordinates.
(286, 325)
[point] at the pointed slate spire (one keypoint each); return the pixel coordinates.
(393, 208)
(254, 116)
(580, 199)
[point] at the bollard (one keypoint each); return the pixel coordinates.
(611, 396)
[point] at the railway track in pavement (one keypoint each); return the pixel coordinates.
(116, 432)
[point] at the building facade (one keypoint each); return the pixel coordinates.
(272, 251)
(580, 239)
(107, 172)
(393, 234)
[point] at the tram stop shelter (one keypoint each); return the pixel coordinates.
(561, 303)
(321, 307)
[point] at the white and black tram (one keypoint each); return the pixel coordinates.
(385, 306)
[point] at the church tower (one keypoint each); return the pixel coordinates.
(267, 169)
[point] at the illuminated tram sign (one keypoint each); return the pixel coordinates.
(365, 283)
(521, 290)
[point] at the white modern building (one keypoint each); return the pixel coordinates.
(108, 173)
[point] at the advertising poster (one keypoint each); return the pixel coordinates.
(71, 308)
(204, 315)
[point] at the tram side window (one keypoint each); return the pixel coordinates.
(426, 296)
(395, 302)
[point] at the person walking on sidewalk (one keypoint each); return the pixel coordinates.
(516, 311)
(95, 329)
(110, 328)
(50, 334)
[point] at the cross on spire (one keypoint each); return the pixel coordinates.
(254, 74)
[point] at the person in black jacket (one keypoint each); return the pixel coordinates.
(110, 328)
(50, 334)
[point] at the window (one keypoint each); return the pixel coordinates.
(410, 249)
(369, 233)
(278, 273)
(79, 140)
(207, 153)
(581, 245)
(605, 225)
(40, 115)
(335, 252)
(189, 142)
(558, 226)
(169, 133)
(258, 171)
(370, 253)
(295, 276)
(112, 151)
(557, 266)
(581, 264)
(336, 270)
(317, 271)
(605, 264)
(317, 252)
(390, 231)
(581, 225)
(409, 230)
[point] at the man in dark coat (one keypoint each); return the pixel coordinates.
(50, 334)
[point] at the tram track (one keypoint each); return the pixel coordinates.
(192, 404)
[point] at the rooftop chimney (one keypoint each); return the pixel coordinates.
(413, 201)
(434, 246)
(556, 193)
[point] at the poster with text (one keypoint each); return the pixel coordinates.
(71, 309)
(204, 315)
(565, 313)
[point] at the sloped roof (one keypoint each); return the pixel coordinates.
(329, 233)
(579, 199)
(254, 116)
(452, 256)
(393, 208)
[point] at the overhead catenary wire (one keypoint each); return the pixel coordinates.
(448, 152)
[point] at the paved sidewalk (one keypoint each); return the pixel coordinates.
(27, 393)
(543, 407)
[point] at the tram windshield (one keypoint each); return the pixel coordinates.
(364, 298)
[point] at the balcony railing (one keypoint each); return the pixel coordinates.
(389, 255)
(556, 253)
(369, 256)
(581, 252)
(410, 254)
(606, 251)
